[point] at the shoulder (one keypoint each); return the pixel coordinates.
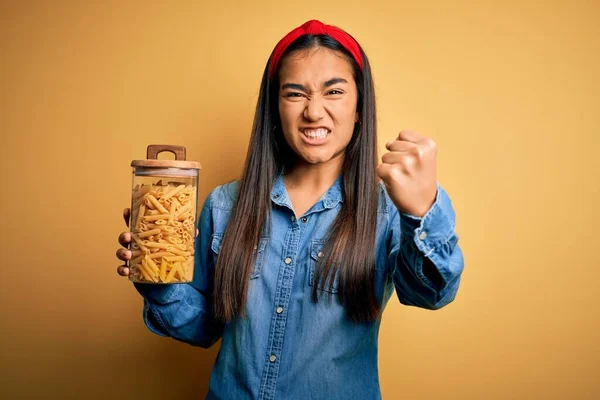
(224, 196)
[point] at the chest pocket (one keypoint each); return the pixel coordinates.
(316, 255)
(259, 252)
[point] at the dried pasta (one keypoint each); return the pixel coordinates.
(162, 229)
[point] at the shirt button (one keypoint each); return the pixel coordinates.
(320, 254)
(304, 219)
(273, 358)
(279, 310)
(287, 260)
(293, 218)
(423, 235)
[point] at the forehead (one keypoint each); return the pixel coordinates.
(315, 65)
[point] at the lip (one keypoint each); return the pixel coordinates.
(315, 141)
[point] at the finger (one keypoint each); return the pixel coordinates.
(389, 174)
(123, 270)
(393, 157)
(125, 239)
(400, 145)
(395, 171)
(383, 171)
(410, 136)
(124, 254)
(126, 213)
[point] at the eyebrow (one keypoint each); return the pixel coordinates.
(326, 84)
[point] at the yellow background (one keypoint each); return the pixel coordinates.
(508, 90)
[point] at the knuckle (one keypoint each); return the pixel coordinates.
(409, 159)
(397, 173)
(122, 254)
(406, 165)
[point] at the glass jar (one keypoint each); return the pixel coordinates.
(164, 211)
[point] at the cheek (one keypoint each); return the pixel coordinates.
(345, 112)
(288, 138)
(288, 112)
(291, 139)
(287, 128)
(346, 119)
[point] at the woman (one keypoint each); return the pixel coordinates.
(296, 261)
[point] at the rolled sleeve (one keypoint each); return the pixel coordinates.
(436, 227)
(429, 239)
(156, 295)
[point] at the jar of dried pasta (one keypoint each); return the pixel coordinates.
(164, 210)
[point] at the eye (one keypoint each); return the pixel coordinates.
(293, 94)
(335, 92)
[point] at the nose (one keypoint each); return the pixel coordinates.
(314, 110)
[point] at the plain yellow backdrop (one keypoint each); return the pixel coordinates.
(508, 90)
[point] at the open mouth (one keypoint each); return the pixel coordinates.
(315, 136)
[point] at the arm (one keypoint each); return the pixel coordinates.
(425, 261)
(184, 311)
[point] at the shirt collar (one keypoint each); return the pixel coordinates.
(330, 199)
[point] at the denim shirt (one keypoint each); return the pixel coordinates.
(287, 346)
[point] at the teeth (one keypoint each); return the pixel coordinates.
(320, 133)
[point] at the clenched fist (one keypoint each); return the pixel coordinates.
(409, 171)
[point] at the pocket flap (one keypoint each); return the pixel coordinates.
(316, 253)
(216, 242)
(316, 249)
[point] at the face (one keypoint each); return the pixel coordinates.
(317, 104)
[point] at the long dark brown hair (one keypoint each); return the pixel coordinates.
(349, 247)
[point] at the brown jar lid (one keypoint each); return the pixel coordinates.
(152, 153)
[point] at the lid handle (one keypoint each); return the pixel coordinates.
(154, 149)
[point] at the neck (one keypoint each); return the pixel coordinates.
(314, 176)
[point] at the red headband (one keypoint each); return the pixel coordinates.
(314, 27)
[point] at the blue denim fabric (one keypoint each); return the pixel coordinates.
(287, 346)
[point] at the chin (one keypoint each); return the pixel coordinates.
(316, 159)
